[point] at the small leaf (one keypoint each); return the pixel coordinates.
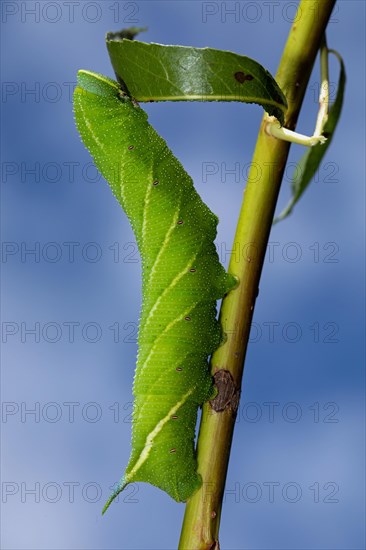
(153, 72)
(129, 33)
(311, 160)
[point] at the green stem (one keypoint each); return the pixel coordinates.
(202, 517)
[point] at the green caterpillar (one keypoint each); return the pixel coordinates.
(181, 277)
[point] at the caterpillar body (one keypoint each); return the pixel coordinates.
(182, 279)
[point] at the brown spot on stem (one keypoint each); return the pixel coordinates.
(228, 394)
(130, 147)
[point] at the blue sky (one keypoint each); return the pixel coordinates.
(70, 308)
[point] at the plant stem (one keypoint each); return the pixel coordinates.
(202, 516)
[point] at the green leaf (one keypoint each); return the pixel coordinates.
(309, 163)
(153, 72)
